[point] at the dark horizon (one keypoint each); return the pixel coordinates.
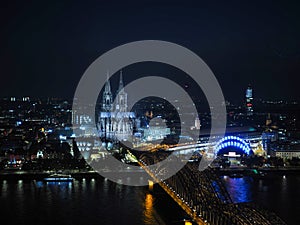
(48, 46)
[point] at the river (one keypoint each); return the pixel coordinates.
(100, 201)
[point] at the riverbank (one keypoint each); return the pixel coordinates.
(37, 175)
(40, 175)
(258, 171)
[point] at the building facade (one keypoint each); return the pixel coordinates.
(115, 122)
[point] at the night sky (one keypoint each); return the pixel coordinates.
(46, 47)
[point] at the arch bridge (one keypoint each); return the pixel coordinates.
(203, 196)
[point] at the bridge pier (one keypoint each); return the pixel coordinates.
(150, 185)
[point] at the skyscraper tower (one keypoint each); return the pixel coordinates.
(249, 101)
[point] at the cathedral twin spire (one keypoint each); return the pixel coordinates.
(107, 84)
(121, 86)
(114, 119)
(107, 104)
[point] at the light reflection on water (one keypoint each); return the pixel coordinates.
(3, 189)
(148, 212)
(276, 192)
(239, 188)
(101, 201)
(85, 201)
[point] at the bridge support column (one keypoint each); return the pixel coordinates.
(151, 184)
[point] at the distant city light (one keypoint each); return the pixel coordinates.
(62, 137)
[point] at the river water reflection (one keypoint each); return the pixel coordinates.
(88, 201)
(278, 192)
(99, 201)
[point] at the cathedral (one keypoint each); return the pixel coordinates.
(115, 122)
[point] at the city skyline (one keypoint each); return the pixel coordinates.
(150, 112)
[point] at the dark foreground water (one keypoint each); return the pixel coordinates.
(86, 202)
(99, 201)
(278, 193)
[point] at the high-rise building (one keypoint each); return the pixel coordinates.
(249, 101)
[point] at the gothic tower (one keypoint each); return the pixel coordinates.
(107, 96)
(121, 98)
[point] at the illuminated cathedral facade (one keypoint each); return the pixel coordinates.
(115, 122)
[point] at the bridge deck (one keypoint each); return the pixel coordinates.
(175, 197)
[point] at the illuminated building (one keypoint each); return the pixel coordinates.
(288, 154)
(197, 123)
(249, 101)
(239, 145)
(233, 147)
(156, 133)
(115, 122)
(39, 154)
(156, 130)
(268, 138)
(26, 99)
